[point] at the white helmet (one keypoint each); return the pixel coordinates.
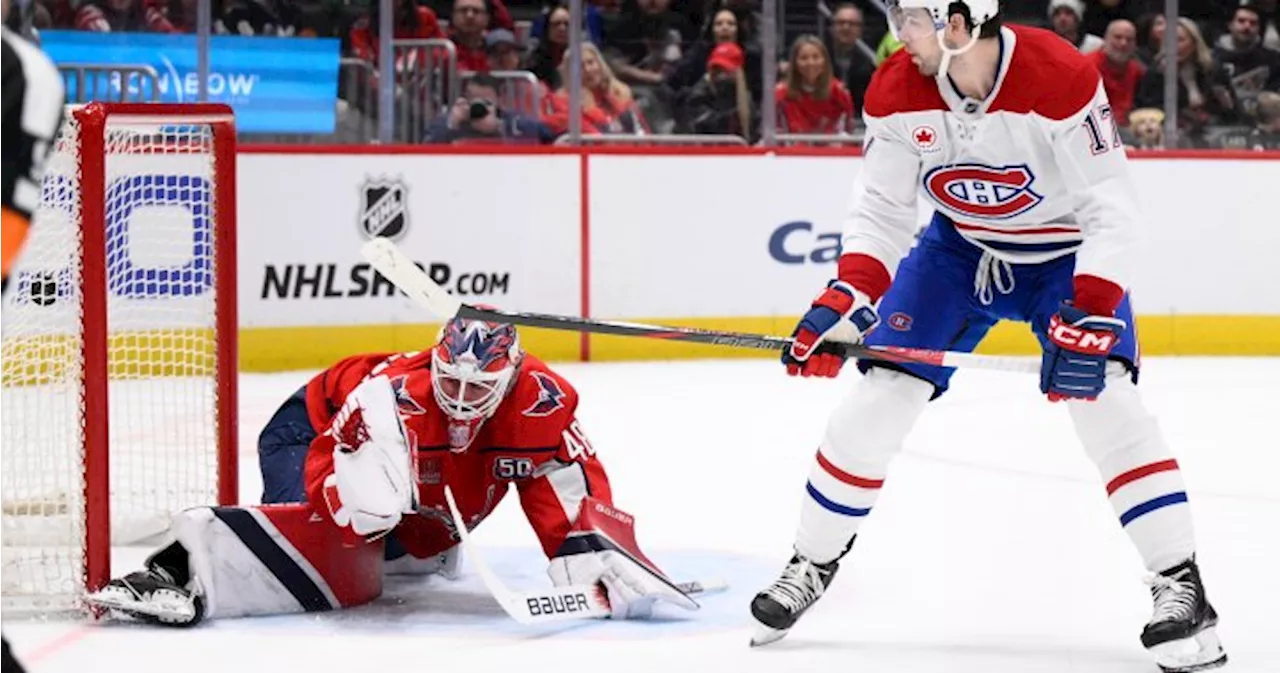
(909, 19)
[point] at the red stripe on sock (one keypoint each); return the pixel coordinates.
(1140, 472)
(851, 479)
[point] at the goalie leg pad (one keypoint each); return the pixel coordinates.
(276, 559)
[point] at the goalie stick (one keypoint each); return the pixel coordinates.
(387, 258)
(573, 602)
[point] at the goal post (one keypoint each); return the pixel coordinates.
(119, 345)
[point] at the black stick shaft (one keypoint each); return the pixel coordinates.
(667, 333)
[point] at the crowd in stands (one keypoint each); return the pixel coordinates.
(696, 67)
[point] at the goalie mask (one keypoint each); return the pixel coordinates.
(472, 368)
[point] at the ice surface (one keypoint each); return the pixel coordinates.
(992, 548)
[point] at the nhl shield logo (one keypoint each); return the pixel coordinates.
(384, 208)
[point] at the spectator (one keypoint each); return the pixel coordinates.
(1120, 68)
(1147, 125)
(811, 99)
(504, 56)
(270, 18)
(607, 104)
(852, 61)
(1204, 93)
(549, 53)
(500, 16)
(476, 117)
(725, 27)
(1251, 67)
(1066, 17)
(1099, 14)
(1270, 23)
(467, 25)
(750, 18)
(720, 103)
(501, 50)
(592, 23)
(411, 21)
(1150, 37)
(644, 51)
(123, 16)
(1266, 135)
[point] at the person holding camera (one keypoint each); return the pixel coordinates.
(477, 117)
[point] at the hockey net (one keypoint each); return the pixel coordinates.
(119, 346)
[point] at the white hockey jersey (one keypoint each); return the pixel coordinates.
(1031, 173)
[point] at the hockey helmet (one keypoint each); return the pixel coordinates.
(473, 365)
(910, 20)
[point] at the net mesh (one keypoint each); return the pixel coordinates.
(162, 352)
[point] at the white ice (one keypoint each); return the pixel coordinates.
(992, 549)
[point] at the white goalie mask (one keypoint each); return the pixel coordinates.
(910, 20)
(472, 367)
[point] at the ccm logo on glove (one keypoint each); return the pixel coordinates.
(1080, 340)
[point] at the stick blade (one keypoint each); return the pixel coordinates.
(389, 260)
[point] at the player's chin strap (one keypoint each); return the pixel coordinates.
(948, 52)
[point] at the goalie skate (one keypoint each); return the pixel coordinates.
(777, 608)
(1182, 632)
(149, 596)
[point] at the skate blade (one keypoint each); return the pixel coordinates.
(765, 635)
(1200, 652)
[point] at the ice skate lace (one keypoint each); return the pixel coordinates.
(1174, 600)
(992, 271)
(800, 585)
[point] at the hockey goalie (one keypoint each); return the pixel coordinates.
(354, 468)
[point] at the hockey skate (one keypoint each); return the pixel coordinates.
(150, 596)
(778, 607)
(1182, 634)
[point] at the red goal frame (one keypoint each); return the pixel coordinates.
(91, 163)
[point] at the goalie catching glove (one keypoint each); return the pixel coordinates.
(601, 549)
(372, 483)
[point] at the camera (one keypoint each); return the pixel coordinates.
(481, 108)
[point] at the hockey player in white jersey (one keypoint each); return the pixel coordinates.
(1008, 132)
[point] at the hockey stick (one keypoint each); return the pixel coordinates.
(387, 258)
(556, 604)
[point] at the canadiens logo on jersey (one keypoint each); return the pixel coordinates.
(983, 192)
(550, 396)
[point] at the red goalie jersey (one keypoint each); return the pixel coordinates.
(532, 440)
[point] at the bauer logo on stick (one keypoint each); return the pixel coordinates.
(384, 207)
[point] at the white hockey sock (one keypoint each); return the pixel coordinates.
(863, 435)
(1141, 476)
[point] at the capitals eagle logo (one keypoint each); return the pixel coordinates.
(550, 396)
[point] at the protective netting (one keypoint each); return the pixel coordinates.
(162, 351)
